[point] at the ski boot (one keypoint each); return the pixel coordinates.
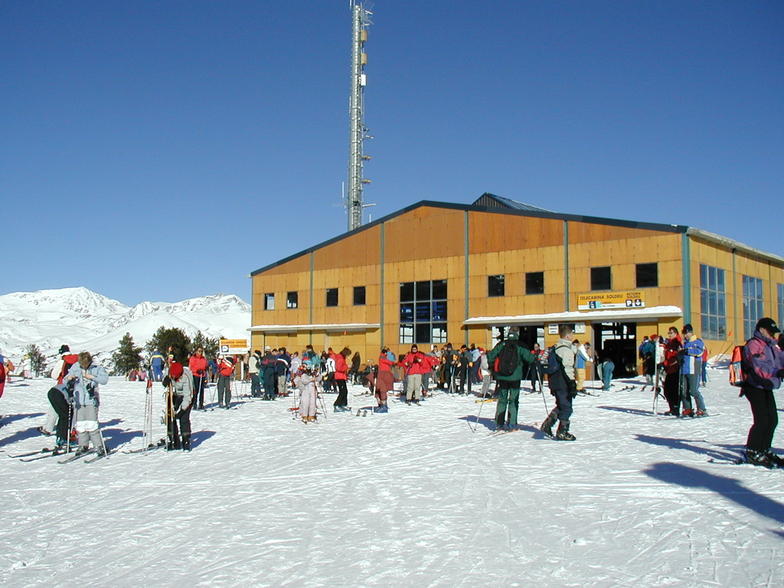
(186, 442)
(547, 426)
(688, 413)
(563, 433)
(758, 458)
(775, 460)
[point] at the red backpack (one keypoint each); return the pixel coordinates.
(737, 373)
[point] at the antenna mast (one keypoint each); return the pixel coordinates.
(358, 131)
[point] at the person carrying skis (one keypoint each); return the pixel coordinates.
(513, 363)
(198, 367)
(562, 386)
(763, 366)
(82, 382)
(179, 385)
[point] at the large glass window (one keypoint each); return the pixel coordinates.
(332, 296)
(534, 283)
(292, 300)
(269, 301)
(495, 285)
(423, 311)
(780, 289)
(647, 275)
(601, 278)
(713, 303)
(752, 304)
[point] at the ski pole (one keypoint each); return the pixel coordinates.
(541, 387)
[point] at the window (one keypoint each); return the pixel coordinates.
(269, 301)
(534, 283)
(601, 278)
(332, 296)
(495, 285)
(423, 311)
(713, 303)
(647, 275)
(292, 300)
(359, 296)
(780, 288)
(752, 304)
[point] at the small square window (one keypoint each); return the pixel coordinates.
(269, 301)
(534, 283)
(601, 278)
(332, 296)
(292, 300)
(359, 295)
(647, 275)
(495, 285)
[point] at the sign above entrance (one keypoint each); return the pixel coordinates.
(610, 300)
(233, 346)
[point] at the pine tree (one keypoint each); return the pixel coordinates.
(128, 357)
(37, 359)
(173, 338)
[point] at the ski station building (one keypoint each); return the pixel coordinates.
(438, 272)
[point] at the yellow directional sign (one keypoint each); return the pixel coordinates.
(610, 300)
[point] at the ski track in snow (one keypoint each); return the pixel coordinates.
(409, 498)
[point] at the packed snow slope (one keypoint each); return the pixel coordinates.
(84, 319)
(409, 498)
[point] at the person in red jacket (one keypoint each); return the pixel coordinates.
(416, 364)
(385, 380)
(225, 372)
(198, 366)
(341, 375)
(672, 347)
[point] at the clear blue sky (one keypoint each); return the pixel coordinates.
(163, 150)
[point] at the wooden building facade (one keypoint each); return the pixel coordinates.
(437, 272)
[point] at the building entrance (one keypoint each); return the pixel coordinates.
(618, 341)
(529, 334)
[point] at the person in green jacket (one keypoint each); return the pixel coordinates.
(509, 385)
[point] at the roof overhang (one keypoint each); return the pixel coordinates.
(330, 327)
(587, 316)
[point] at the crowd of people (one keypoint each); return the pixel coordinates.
(674, 365)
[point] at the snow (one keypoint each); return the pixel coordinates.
(410, 498)
(84, 319)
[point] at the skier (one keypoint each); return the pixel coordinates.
(341, 375)
(225, 371)
(763, 365)
(385, 379)
(179, 384)
(156, 363)
(198, 367)
(305, 380)
(562, 386)
(59, 416)
(283, 360)
(672, 348)
(254, 365)
(83, 380)
(513, 364)
(691, 358)
(416, 364)
(268, 365)
(2, 375)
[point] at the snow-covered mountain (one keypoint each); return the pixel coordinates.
(86, 320)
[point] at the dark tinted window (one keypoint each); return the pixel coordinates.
(647, 275)
(332, 296)
(495, 285)
(359, 295)
(601, 278)
(534, 283)
(292, 300)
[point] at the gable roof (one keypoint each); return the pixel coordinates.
(488, 200)
(496, 207)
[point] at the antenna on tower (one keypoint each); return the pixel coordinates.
(358, 132)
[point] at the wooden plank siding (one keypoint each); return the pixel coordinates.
(428, 242)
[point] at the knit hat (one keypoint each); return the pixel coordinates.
(175, 370)
(64, 349)
(768, 324)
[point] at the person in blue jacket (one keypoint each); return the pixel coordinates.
(157, 362)
(691, 366)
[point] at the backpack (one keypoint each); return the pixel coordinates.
(2, 373)
(553, 363)
(736, 371)
(506, 362)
